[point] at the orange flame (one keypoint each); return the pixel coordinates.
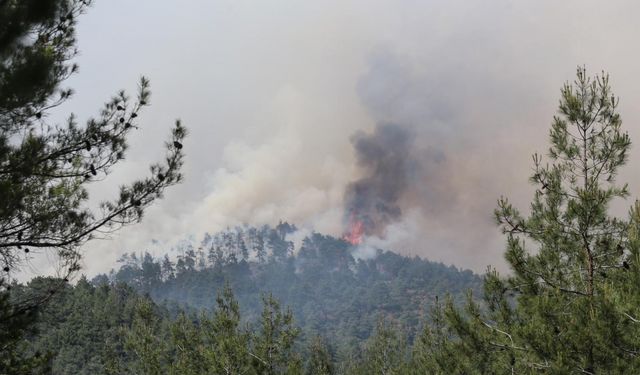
(356, 231)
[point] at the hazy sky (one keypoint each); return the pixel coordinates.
(272, 91)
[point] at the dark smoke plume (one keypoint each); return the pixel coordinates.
(385, 158)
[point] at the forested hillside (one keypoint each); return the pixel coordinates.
(240, 291)
(331, 292)
(111, 329)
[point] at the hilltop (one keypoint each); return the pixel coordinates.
(331, 291)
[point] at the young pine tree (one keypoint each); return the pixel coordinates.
(570, 303)
(144, 341)
(187, 345)
(226, 341)
(319, 360)
(273, 345)
(385, 352)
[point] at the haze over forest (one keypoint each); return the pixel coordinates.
(275, 95)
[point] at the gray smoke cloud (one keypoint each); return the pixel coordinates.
(408, 162)
(385, 158)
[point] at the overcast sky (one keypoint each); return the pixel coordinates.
(272, 91)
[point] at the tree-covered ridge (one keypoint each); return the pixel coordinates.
(331, 292)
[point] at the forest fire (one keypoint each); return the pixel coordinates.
(355, 232)
(373, 201)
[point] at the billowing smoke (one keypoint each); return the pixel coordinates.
(404, 162)
(272, 93)
(372, 202)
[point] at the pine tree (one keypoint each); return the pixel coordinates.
(433, 353)
(168, 270)
(201, 259)
(259, 246)
(574, 265)
(190, 258)
(144, 341)
(186, 340)
(150, 273)
(45, 168)
(227, 343)
(241, 246)
(385, 352)
(319, 361)
(273, 346)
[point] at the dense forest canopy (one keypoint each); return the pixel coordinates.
(334, 299)
(330, 292)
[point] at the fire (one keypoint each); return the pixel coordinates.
(355, 232)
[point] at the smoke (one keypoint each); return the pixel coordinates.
(424, 185)
(385, 157)
(443, 102)
(404, 162)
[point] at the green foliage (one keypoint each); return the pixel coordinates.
(17, 322)
(79, 329)
(227, 343)
(110, 329)
(144, 341)
(186, 339)
(31, 69)
(563, 309)
(319, 361)
(273, 345)
(45, 168)
(385, 353)
(331, 293)
(102, 328)
(218, 344)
